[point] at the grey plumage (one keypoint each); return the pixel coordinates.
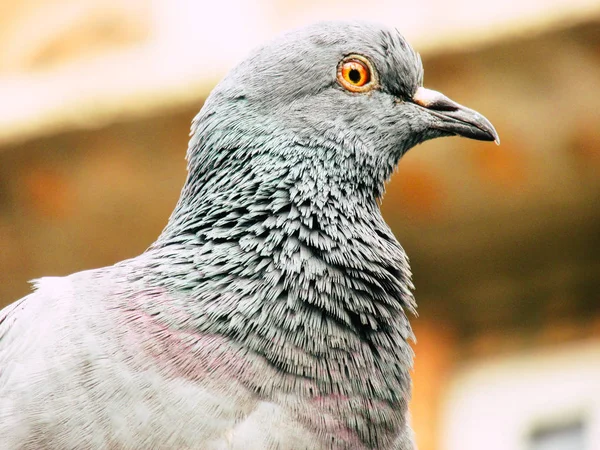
(271, 313)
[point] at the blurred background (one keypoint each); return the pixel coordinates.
(96, 99)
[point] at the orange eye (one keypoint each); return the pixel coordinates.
(354, 74)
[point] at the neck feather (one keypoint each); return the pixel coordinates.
(295, 266)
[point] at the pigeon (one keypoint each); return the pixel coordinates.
(272, 311)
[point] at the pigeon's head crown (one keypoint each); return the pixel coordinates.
(308, 60)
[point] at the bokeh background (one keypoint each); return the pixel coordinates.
(96, 99)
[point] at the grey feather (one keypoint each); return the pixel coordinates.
(271, 313)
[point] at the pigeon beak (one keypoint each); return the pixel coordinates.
(455, 119)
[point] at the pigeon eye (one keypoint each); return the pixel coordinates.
(355, 74)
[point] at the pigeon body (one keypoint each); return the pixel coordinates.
(271, 313)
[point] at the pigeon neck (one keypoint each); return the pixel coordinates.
(292, 260)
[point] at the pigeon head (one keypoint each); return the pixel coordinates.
(352, 87)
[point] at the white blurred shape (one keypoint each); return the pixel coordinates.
(498, 404)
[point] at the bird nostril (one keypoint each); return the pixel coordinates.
(443, 105)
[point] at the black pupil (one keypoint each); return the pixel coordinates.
(354, 75)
